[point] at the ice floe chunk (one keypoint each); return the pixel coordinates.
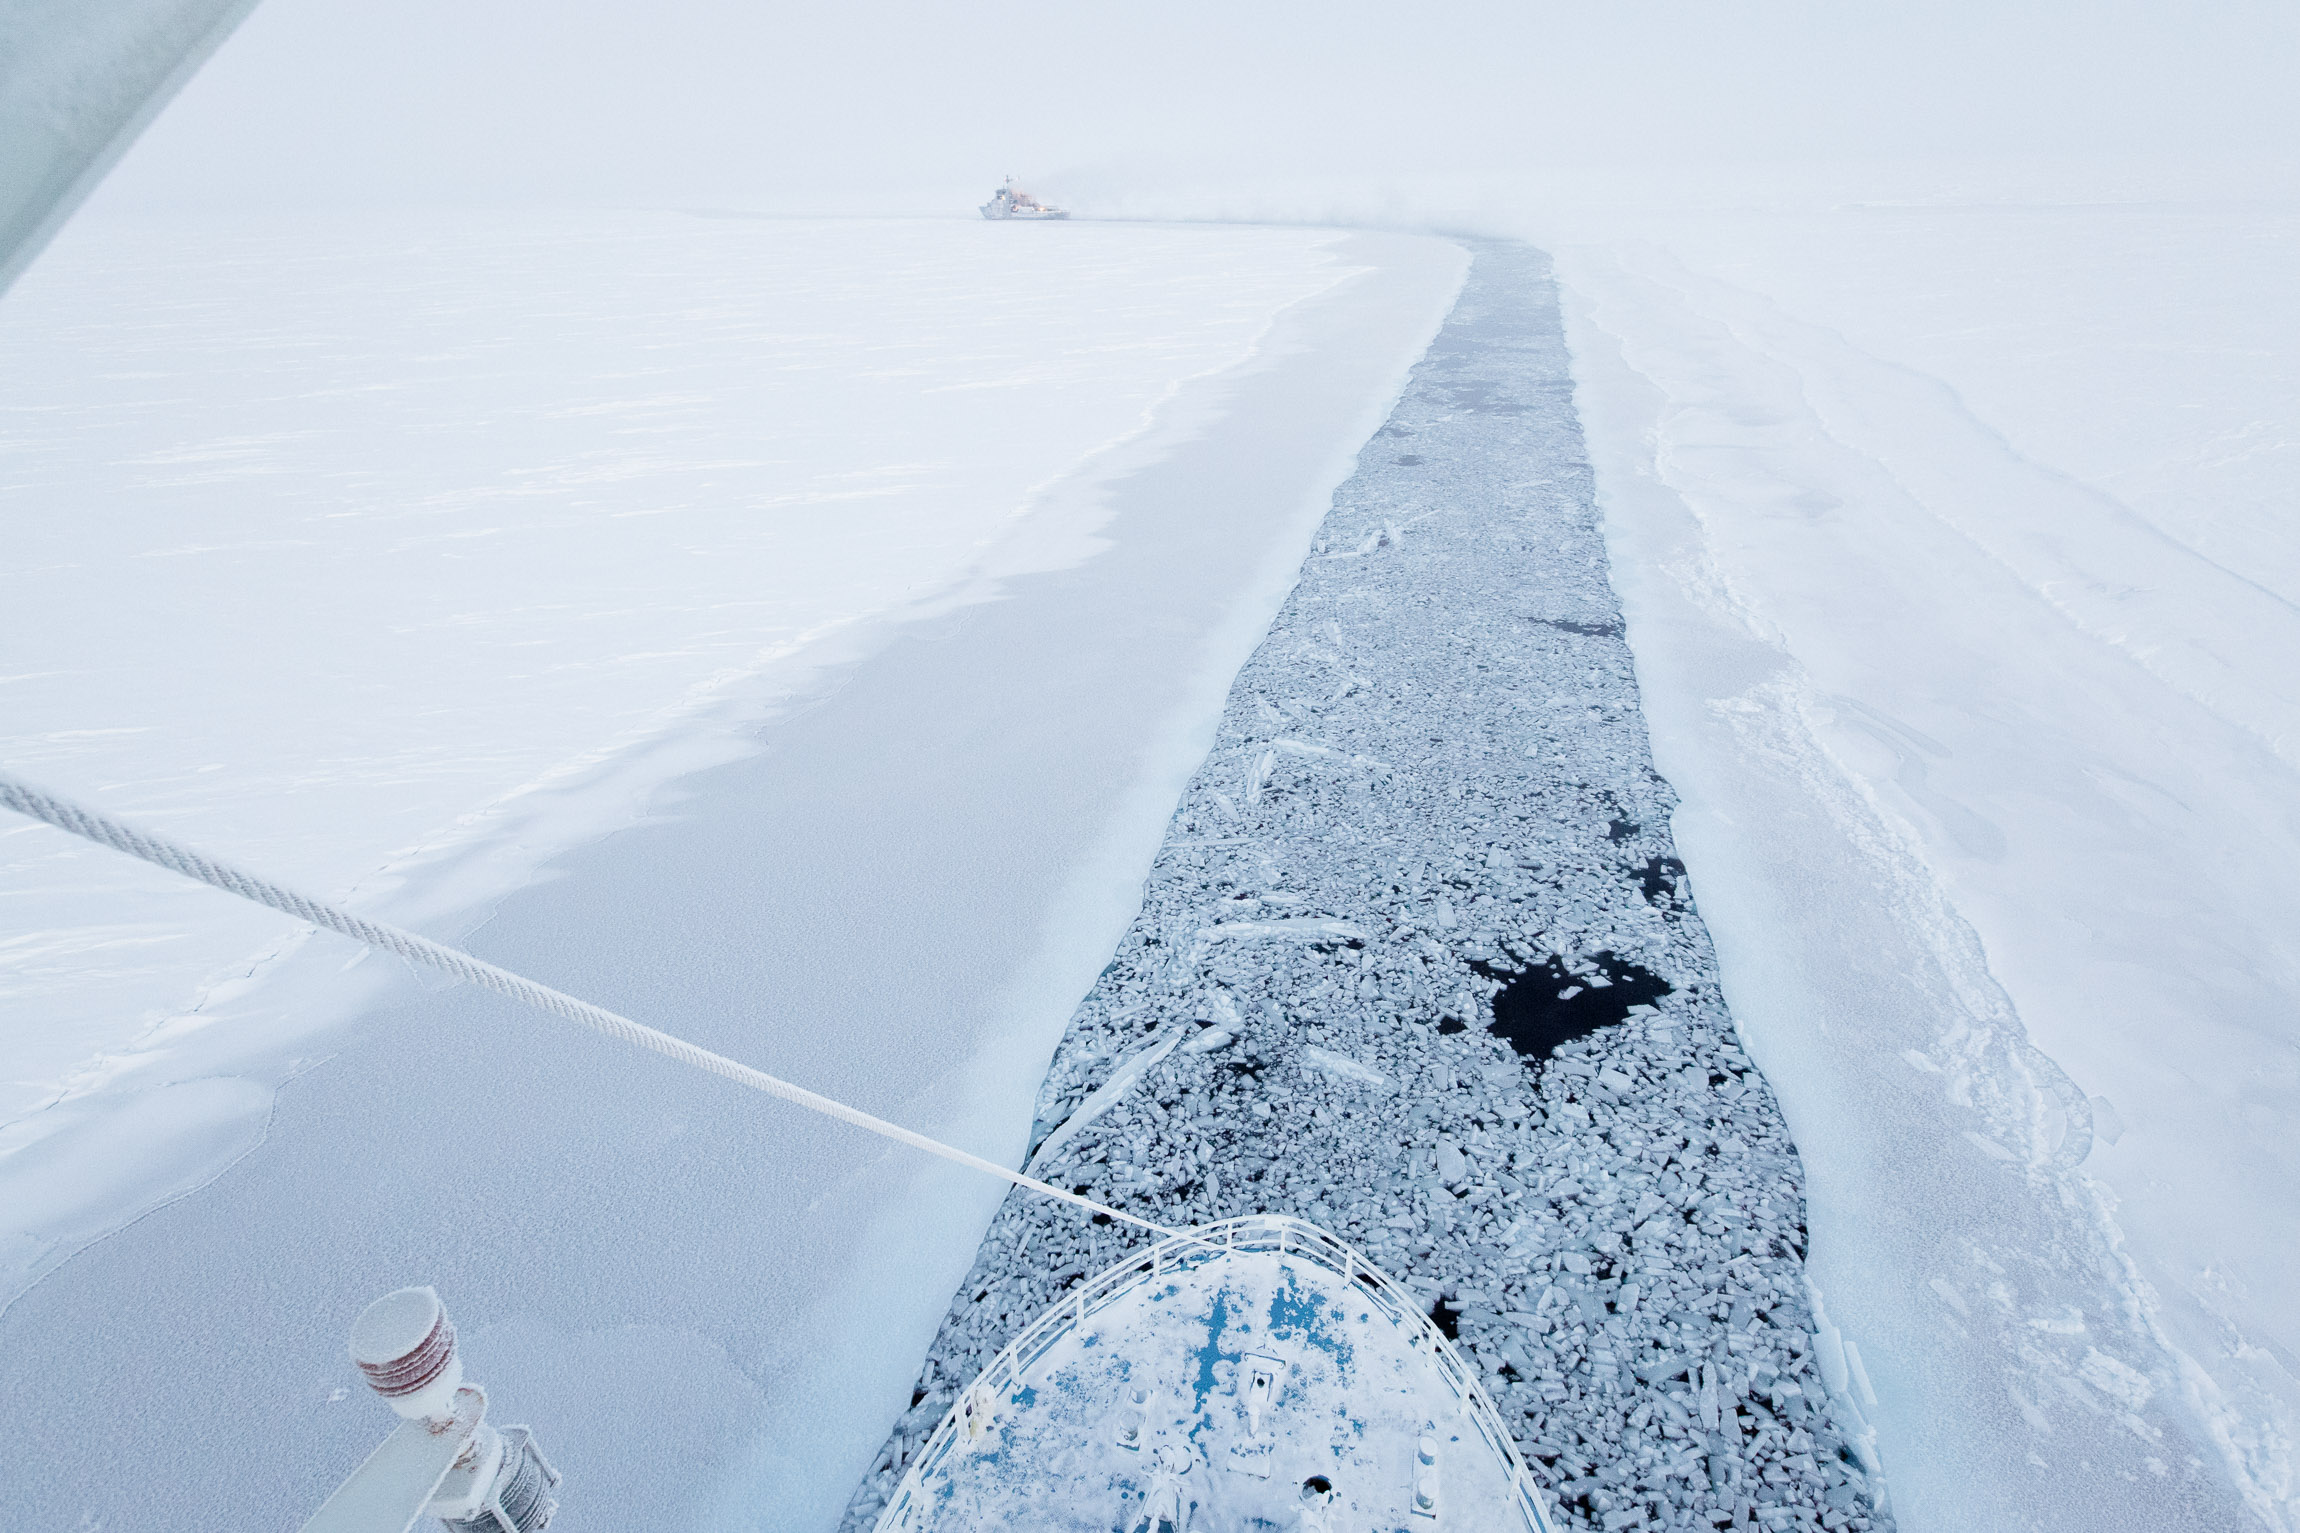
(1294, 928)
(1342, 1067)
(2119, 1380)
(1106, 1096)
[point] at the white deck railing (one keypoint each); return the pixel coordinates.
(1289, 1238)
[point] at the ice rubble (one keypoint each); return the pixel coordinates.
(1614, 1232)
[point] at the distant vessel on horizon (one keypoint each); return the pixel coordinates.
(1011, 201)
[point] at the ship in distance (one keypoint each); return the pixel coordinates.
(1011, 201)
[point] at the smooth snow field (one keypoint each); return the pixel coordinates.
(1959, 553)
(413, 560)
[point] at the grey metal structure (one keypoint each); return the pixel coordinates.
(78, 83)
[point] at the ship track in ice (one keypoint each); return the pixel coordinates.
(1431, 788)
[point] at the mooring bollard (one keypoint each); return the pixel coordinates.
(444, 1460)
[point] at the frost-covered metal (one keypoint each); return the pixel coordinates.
(1256, 1373)
(443, 1460)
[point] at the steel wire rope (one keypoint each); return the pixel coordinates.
(87, 824)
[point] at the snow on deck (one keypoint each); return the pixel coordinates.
(1254, 1374)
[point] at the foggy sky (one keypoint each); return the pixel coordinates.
(894, 104)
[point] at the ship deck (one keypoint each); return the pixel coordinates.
(1254, 1374)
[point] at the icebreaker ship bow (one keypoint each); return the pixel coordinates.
(1251, 1374)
